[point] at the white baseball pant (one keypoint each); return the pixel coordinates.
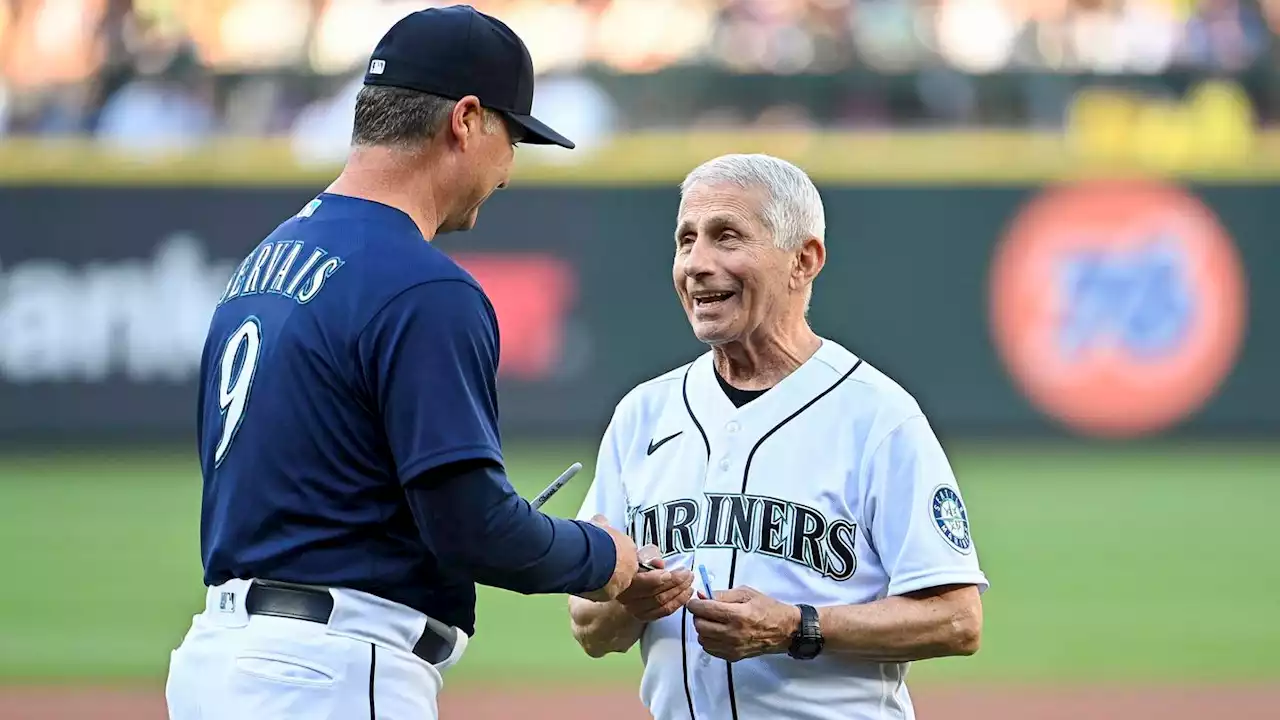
(233, 666)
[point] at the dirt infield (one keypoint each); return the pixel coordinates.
(1172, 703)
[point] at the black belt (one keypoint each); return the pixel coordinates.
(315, 604)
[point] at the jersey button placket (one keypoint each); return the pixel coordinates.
(707, 674)
(723, 447)
(731, 429)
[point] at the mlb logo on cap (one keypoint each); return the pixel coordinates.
(377, 67)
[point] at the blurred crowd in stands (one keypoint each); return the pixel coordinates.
(155, 73)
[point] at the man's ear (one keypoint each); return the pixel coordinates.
(809, 261)
(466, 120)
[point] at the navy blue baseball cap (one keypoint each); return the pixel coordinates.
(457, 51)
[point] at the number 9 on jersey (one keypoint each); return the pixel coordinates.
(239, 363)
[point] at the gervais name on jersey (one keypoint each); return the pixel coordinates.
(750, 523)
(272, 268)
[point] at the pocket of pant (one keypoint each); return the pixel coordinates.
(276, 667)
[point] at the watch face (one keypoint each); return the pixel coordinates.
(806, 648)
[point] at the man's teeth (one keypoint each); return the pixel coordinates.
(714, 298)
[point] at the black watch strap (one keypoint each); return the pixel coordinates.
(806, 642)
(809, 621)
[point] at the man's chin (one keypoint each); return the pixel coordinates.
(462, 224)
(711, 334)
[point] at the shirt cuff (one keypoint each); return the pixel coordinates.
(603, 556)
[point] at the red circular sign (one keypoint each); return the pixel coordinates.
(1118, 307)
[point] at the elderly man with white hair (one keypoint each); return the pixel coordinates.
(809, 535)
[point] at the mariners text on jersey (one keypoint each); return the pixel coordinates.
(782, 529)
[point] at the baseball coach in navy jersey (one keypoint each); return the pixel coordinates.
(354, 488)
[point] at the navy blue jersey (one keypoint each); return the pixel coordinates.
(348, 357)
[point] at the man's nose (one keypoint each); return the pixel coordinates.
(698, 262)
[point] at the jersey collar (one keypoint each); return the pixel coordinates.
(713, 410)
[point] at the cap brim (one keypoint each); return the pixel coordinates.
(536, 132)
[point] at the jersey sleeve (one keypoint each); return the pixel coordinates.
(430, 360)
(472, 515)
(607, 495)
(916, 516)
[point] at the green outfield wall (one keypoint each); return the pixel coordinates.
(1036, 294)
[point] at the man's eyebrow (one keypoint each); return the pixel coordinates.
(714, 222)
(721, 221)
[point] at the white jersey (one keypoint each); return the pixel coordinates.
(829, 489)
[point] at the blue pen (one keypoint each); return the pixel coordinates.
(706, 581)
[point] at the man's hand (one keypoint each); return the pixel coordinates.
(743, 623)
(625, 567)
(655, 594)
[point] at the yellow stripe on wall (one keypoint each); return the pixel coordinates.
(663, 158)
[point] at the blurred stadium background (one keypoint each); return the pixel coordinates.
(1052, 220)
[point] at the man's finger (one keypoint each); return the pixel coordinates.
(681, 590)
(658, 582)
(670, 594)
(734, 595)
(711, 629)
(665, 608)
(724, 652)
(648, 584)
(681, 578)
(719, 641)
(646, 587)
(712, 610)
(650, 555)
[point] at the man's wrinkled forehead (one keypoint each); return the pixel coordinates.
(715, 208)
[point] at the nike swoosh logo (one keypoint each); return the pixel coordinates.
(653, 446)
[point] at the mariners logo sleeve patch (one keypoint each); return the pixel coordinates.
(951, 519)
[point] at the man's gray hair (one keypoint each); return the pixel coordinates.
(792, 209)
(396, 117)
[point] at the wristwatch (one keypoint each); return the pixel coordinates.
(806, 641)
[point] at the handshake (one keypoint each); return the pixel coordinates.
(646, 596)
